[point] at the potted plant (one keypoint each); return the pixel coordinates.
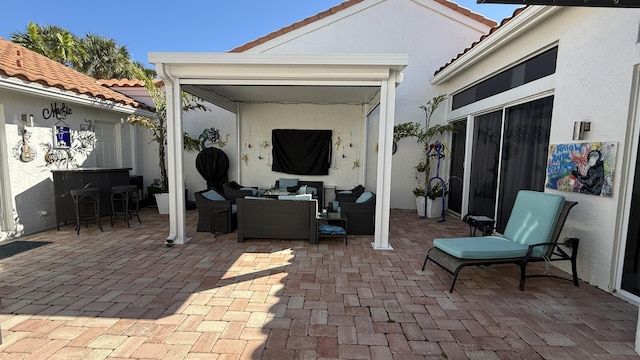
(434, 198)
(424, 135)
(158, 128)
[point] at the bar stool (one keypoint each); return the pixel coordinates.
(86, 198)
(125, 202)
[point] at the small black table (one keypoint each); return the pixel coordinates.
(332, 218)
(479, 222)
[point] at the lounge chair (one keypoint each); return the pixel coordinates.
(531, 235)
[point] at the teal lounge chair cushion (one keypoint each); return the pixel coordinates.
(484, 247)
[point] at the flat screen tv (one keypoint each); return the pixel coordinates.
(301, 152)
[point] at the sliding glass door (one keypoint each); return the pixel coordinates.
(509, 154)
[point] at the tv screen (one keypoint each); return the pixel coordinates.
(301, 152)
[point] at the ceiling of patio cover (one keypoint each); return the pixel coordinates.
(213, 165)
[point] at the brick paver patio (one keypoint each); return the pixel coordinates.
(122, 294)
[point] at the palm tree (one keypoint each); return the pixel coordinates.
(105, 59)
(54, 42)
(93, 55)
(158, 127)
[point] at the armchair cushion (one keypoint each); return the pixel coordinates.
(213, 195)
(349, 195)
(364, 197)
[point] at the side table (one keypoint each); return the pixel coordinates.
(332, 218)
(479, 222)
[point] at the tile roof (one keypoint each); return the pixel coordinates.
(342, 6)
(127, 82)
(493, 29)
(17, 61)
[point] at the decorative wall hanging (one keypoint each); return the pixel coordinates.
(587, 168)
(27, 154)
(211, 137)
(61, 137)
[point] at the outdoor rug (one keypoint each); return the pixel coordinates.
(16, 247)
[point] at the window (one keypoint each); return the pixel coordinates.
(533, 69)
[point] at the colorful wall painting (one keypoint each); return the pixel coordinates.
(586, 168)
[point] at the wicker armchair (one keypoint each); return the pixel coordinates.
(349, 195)
(232, 191)
(215, 216)
(361, 216)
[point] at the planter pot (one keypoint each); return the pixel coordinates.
(420, 205)
(434, 207)
(162, 201)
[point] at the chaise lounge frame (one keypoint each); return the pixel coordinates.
(554, 252)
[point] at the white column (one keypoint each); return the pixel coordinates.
(175, 171)
(385, 145)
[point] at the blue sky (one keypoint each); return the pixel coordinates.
(193, 25)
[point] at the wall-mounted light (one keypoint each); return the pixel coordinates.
(579, 127)
(27, 119)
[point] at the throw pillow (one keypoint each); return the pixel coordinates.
(364, 197)
(213, 195)
(284, 183)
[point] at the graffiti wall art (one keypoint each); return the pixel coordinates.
(586, 168)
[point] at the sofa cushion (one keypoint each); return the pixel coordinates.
(213, 195)
(254, 191)
(284, 183)
(364, 197)
(295, 197)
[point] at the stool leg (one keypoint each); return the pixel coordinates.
(137, 200)
(126, 208)
(113, 207)
(76, 206)
(98, 212)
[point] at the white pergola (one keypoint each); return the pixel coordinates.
(225, 79)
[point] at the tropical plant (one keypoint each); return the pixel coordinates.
(54, 42)
(92, 55)
(104, 58)
(158, 127)
(424, 135)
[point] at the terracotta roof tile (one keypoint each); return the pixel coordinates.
(340, 7)
(475, 43)
(17, 61)
(126, 82)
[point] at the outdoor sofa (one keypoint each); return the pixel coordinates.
(265, 218)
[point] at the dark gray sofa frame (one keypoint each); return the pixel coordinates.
(277, 219)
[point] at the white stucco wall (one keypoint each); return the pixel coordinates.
(31, 184)
(194, 123)
(430, 33)
(597, 52)
(345, 121)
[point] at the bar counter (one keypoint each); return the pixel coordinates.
(101, 178)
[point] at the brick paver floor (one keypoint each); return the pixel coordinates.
(122, 294)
